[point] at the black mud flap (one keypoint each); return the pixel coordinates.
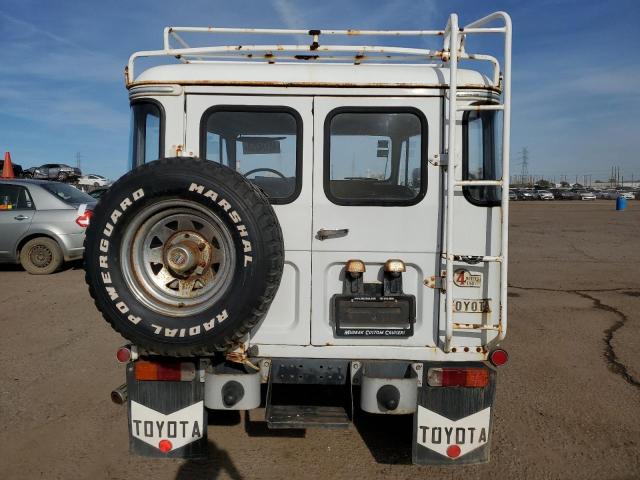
(452, 425)
(166, 418)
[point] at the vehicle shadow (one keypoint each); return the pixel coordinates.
(16, 267)
(388, 437)
(216, 462)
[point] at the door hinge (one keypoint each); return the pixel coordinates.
(436, 282)
(439, 160)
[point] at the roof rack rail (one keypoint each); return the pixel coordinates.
(175, 46)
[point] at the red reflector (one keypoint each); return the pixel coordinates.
(123, 354)
(165, 446)
(83, 220)
(498, 357)
(169, 371)
(453, 451)
(458, 377)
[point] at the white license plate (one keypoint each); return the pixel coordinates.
(167, 432)
(452, 439)
(471, 305)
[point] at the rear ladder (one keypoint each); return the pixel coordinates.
(454, 36)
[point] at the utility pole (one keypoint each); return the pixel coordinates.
(525, 164)
(78, 159)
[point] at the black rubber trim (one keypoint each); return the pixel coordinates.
(261, 109)
(379, 203)
(158, 104)
(465, 163)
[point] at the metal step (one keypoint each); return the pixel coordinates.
(472, 259)
(480, 107)
(474, 326)
(478, 183)
(306, 416)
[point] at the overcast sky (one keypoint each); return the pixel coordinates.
(575, 77)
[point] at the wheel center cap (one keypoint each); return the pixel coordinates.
(182, 258)
(186, 253)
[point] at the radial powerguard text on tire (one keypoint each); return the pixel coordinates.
(183, 256)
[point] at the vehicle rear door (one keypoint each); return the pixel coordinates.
(16, 215)
(269, 140)
(376, 197)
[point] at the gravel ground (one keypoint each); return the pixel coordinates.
(567, 403)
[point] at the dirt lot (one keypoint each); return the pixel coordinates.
(567, 403)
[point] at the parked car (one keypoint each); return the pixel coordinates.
(512, 194)
(53, 171)
(585, 195)
(526, 195)
(545, 195)
(626, 195)
(42, 223)
(192, 272)
(93, 180)
(98, 192)
(564, 194)
(17, 169)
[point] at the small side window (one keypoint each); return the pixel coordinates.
(482, 155)
(146, 136)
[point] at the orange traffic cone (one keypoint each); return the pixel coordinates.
(7, 168)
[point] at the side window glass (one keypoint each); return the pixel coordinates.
(482, 155)
(24, 199)
(145, 141)
(14, 197)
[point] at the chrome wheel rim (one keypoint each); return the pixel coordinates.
(177, 257)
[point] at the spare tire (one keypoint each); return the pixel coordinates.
(183, 256)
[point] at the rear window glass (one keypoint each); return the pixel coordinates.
(375, 156)
(67, 193)
(262, 143)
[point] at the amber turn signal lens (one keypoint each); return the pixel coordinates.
(355, 266)
(394, 265)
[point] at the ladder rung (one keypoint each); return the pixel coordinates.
(472, 259)
(480, 107)
(473, 326)
(478, 183)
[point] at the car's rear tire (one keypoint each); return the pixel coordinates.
(41, 256)
(183, 256)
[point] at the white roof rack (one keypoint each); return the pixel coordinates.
(176, 46)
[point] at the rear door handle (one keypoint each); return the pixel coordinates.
(21, 217)
(324, 234)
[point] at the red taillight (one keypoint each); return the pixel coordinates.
(498, 357)
(83, 220)
(127, 353)
(123, 354)
(458, 377)
(169, 371)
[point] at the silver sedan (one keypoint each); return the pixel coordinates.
(42, 223)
